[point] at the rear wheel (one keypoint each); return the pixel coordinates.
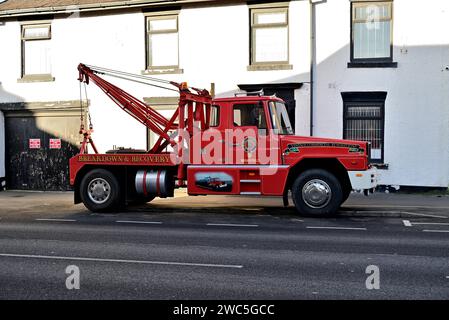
(317, 192)
(100, 191)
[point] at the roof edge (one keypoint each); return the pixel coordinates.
(94, 7)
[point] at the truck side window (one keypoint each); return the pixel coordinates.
(250, 115)
(214, 120)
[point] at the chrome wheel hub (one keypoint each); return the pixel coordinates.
(316, 194)
(99, 190)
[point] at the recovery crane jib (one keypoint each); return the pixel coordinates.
(253, 152)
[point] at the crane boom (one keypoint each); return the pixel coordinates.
(196, 105)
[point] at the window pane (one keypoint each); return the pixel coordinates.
(271, 44)
(39, 32)
(372, 12)
(273, 17)
(214, 116)
(372, 40)
(250, 115)
(279, 119)
(164, 49)
(37, 57)
(166, 24)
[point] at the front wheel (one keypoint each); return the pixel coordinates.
(100, 191)
(317, 193)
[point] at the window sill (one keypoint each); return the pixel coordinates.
(380, 166)
(36, 78)
(163, 71)
(372, 64)
(269, 67)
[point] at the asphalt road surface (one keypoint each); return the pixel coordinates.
(223, 248)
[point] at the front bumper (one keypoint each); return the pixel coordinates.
(363, 180)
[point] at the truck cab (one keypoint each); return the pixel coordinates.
(261, 155)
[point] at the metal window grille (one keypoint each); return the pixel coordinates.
(365, 121)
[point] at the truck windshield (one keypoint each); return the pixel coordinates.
(279, 118)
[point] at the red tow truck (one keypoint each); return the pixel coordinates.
(242, 145)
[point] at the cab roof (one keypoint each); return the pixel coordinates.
(248, 98)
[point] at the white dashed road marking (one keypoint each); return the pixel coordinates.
(57, 220)
(437, 231)
(232, 225)
(139, 222)
(337, 228)
(188, 264)
(431, 223)
(425, 215)
(407, 223)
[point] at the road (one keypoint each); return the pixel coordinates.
(210, 248)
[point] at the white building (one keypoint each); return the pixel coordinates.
(348, 69)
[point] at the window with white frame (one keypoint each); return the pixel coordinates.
(36, 50)
(269, 36)
(372, 24)
(163, 42)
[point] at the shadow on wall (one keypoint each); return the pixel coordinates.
(36, 158)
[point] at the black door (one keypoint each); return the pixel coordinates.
(38, 150)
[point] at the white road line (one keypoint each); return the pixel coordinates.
(425, 215)
(337, 228)
(232, 225)
(188, 264)
(431, 223)
(57, 220)
(393, 206)
(407, 223)
(139, 222)
(438, 231)
(296, 220)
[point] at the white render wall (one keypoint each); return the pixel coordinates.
(214, 47)
(417, 104)
(2, 146)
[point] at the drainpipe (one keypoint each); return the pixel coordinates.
(313, 4)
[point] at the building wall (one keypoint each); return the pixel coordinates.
(417, 104)
(212, 49)
(2, 149)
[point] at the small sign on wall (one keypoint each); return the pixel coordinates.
(55, 143)
(35, 143)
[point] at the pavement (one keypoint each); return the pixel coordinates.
(224, 247)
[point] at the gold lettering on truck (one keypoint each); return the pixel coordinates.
(115, 158)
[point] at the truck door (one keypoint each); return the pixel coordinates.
(247, 139)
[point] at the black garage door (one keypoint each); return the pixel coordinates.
(38, 147)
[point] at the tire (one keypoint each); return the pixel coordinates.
(317, 193)
(100, 191)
